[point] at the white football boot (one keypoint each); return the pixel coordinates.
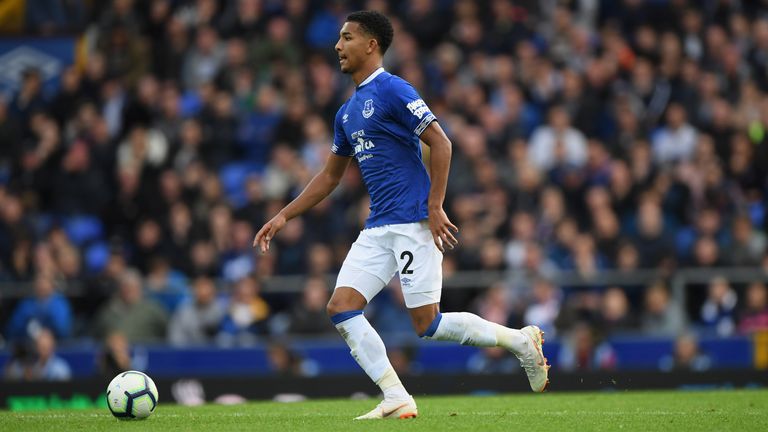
(533, 361)
(396, 409)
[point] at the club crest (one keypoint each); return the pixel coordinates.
(368, 108)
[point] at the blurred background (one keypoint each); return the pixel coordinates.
(609, 178)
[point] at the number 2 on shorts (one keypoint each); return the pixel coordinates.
(409, 255)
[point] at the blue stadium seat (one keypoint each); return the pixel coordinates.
(83, 229)
(96, 257)
(190, 104)
(233, 177)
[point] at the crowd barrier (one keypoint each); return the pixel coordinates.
(332, 357)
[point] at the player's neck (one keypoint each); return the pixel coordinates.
(364, 72)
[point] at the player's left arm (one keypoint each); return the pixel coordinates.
(439, 164)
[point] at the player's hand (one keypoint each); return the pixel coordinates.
(442, 229)
(268, 231)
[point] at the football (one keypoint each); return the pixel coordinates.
(132, 395)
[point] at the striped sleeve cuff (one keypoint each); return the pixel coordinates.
(429, 118)
(335, 149)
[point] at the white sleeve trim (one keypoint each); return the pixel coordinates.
(335, 149)
(429, 118)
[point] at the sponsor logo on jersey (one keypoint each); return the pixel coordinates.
(418, 108)
(345, 118)
(362, 146)
(368, 108)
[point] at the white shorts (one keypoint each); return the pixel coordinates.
(407, 249)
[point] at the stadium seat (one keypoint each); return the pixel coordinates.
(83, 229)
(233, 177)
(96, 257)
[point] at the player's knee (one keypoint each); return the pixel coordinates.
(344, 300)
(333, 307)
(336, 306)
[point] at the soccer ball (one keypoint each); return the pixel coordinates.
(132, 395)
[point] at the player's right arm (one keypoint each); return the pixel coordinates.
(318, 188)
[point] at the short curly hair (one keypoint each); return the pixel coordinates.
(375, 24)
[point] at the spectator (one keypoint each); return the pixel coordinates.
(203, 61)
(707, 224)
(246, 318)
(127, 55)
(286, 362)
(661, 316)
(320, 257)
(584, 257)
(238, 259)
(754, 316)
(616, 314)
(676, 141)
(40, 364)
(687, 356)
(747, 245)
(307, 316)
(197, 321)
(128, 312)
(79, 186)
(291, 243)
(48, 366)
(652, 240)
(718, 313)
(583, 350)
(558, 143)
(46, 310)
(143, 148)
(166, 286)
(543, 309)
(30, 97)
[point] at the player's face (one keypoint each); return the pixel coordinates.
(352, 47)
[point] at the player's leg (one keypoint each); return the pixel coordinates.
(364, 273)
(465, 328)
(469, 329)
(366, 347)
(420, 269)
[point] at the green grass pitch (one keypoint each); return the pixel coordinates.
(722, 410)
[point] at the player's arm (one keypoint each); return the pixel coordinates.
(318, 188)
(439, 164)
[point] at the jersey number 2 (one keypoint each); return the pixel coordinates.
(403, 255)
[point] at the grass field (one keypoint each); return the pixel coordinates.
(742, 410)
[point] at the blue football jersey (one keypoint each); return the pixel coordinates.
(380, 126)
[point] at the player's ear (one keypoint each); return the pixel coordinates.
(373, 45)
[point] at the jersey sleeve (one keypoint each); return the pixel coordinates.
(408, 108)
(340, 145)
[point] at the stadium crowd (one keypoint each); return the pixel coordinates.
(588, 136)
